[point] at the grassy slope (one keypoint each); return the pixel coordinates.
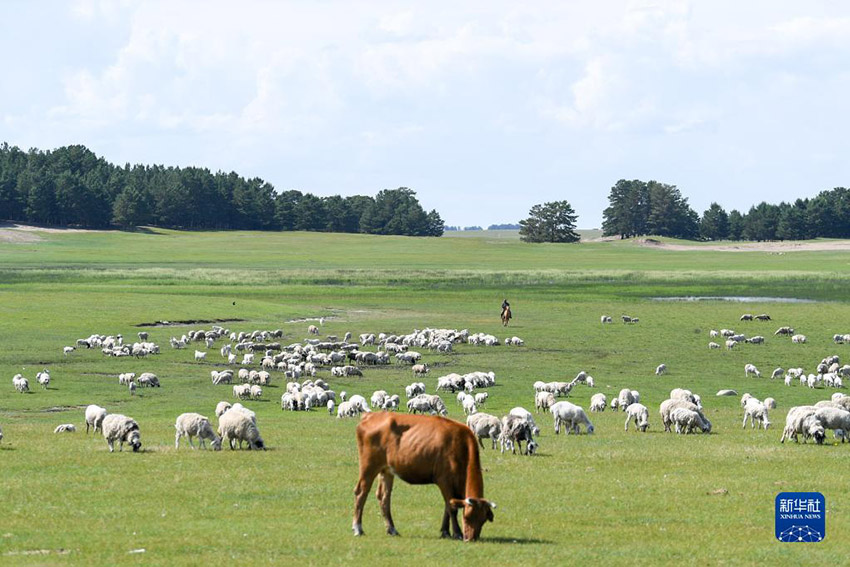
(616, 496)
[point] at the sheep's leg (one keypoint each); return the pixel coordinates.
(628, 419)
(189, 438)
(111, 445)
(177, 440)
(744, 424)
(481, 441)
(384, 493)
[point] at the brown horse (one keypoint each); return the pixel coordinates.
(506, 316)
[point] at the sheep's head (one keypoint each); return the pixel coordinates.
(216, 443)
(476, 512)
(134, 440)
(532, 447)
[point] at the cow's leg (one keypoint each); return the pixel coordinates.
(361, 492)
(384, 493)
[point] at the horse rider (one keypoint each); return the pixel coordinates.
(505, 305)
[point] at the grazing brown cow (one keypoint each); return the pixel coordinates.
(422, 449)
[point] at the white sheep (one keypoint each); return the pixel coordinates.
(21, 384)
(572, 416)
(639, 414)
(751, 369)
(200, 355)
(625, 398)
(798, 339)
(598, 402)
(543, 400)
(256, 392)
(485, 426)
(713, 345)
(833, 418)
(222, 407)
(769, 403)
(419, 369)
(481, 398)
(330, 407)
(756, 411)
(668, 406)
(660, 369)
(195, 425)
(238, 425)
(68, 350)
(469, 405)
(606, 319)
(94, 417)
(43, 378)
(801, 419)
(686, 420)
(65, 428)
(117, 427)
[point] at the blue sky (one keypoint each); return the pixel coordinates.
(483, 108)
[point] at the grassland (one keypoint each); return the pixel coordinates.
(618, 497)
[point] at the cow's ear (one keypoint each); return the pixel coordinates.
(456, 503)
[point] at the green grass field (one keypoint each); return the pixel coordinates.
(615, 497)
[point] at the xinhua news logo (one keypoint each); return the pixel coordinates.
(800, 517)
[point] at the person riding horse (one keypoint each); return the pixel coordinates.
(506, 312)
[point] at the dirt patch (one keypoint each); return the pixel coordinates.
(188, 322)
(769, 247)
(10, 225)
(18, 237)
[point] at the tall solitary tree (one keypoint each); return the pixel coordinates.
(715, 223)
(550, 222)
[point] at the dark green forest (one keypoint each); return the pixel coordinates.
(71, 186)
(639, 208)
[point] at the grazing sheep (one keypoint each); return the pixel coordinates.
(117, 427)
(598, 402)
(784, 331)
(660, 369)
(238, 425)
(726, 393)
(312, 330)
(132, 388)
(68, 350)
(65, 428)
(515, 430)
(485, 426)
(802, 420)
(543, 400)
(751, 369)
(668, 406)
(625, 399)
(572, 416)
(94, 417)
(755, 411)
(606, 319)
(798, 339)
(833, 418)
(195, 425)
(481, 398)
(256, 392)
(222, 407)
(639, 414)
(687, 420)
(769, 403)
(469, 406)
(777, 373)
(148, 379)
(331, 406)
(523, 413)
(746, 317)
(713, 345)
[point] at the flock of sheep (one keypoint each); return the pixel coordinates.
(298, 363)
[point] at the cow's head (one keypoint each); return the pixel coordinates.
(476, 511)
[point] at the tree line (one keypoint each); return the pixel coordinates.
(639, 208)
(71, 186)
